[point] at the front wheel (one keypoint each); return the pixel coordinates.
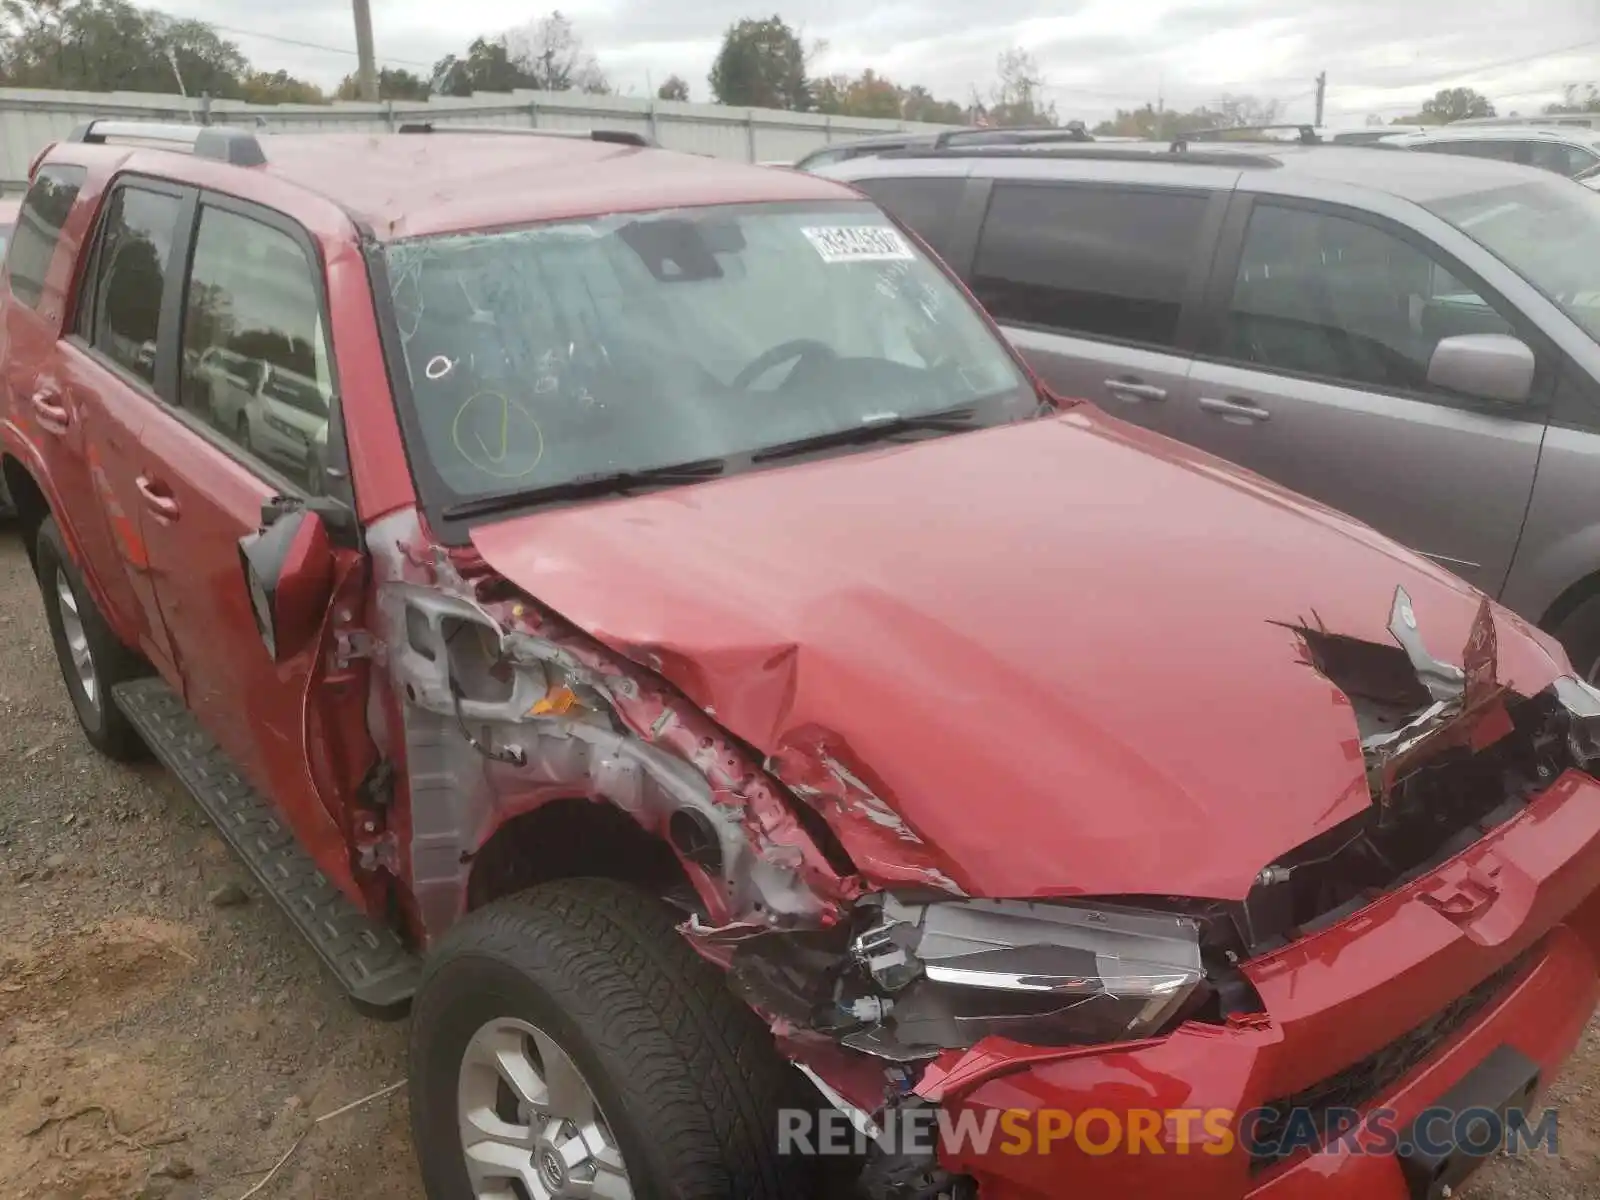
(567, 1042)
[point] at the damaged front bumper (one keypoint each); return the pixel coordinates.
(1384, 1013)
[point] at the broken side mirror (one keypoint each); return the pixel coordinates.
(288, 573)
(1490, 366)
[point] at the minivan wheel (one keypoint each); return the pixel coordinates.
(92, 660)
(567, 1042)
(1579, 634)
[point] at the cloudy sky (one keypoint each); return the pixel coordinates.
(1382, 56)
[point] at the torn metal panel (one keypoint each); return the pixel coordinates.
(878, 839)
(504, 707)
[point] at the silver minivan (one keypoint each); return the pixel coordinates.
(1411, 338)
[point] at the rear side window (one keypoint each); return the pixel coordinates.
(928, 206)
(131, 264)
(33, 241)
(1102, 262)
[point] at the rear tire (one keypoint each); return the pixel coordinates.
(91, 658)
(591, 973)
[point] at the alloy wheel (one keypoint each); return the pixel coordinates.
(531, 1128)
(77, 639)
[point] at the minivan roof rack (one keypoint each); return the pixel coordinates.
(1308, 135)
(224, 143)
(616, 137)
(1022, 134)
(1124, 153)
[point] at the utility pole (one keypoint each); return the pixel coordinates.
(366, 68)
(1322, 91)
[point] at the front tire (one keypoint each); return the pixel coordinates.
(570, 1043)
(91, 658)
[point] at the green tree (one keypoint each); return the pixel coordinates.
(761, 65)
(673, 89)
(487, 67)
(1453, 104)
(393, 84)
(111, 45)
(279, 87)
(918, 104)
(867, 95)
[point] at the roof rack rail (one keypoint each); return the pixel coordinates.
(1073, 131)
(1123, 153)
(224, 143)
(616, 137)
(1307, 133)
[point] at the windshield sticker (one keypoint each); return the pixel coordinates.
(858, 243)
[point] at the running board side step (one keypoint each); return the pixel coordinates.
(367, 958)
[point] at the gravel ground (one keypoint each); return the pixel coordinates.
(156, 1043)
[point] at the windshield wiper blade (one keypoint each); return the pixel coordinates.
(618, 483)
(951, 420)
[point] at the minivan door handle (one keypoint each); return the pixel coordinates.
(1134, 391)
(1235, 409)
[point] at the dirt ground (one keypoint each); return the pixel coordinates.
(156, 1044)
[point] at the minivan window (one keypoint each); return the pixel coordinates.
(926, 205)
(1547, 231)
(1561, 158)
(1323, 295)
(1500, 149)
(1098, 261)
(255, 358)
(33, 242)
(136, 239)
(547, 355)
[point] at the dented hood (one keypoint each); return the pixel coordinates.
(1057, 650)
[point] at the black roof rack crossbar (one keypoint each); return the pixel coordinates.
(616, 137)
(221, 142)
(1308, 135)
(1124, 153)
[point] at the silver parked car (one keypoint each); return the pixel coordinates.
(1570, 150)
(1407, 338)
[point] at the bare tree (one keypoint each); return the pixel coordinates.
(1019, 94)
(552, 56)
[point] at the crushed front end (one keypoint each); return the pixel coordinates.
(1372, 970)
(1373, 966)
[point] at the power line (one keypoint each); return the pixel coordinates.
(285, 41)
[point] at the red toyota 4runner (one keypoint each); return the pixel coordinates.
(636, 606)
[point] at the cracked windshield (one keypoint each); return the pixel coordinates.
(562, 352)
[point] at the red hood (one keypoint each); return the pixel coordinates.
(1052, 646)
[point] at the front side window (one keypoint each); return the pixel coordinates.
(136, 238)
(1547, 231)
(563, 352)
(1096, 261)
(50, 198)
(1324, 295)
(255, 356)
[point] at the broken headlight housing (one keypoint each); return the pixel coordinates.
(953, 972)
